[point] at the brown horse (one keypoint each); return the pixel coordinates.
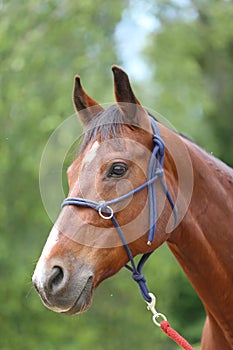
(84, 248)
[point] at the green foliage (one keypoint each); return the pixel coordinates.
(43, 44)
(191, 55)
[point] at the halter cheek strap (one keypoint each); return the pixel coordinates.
(155, 172)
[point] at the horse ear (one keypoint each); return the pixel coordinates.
(127, 102)
(122, 87)
(86, 107)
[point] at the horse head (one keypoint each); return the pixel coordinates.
(83, 247)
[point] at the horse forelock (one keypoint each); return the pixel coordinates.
(105, 125)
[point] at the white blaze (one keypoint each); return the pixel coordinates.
(39, 273)
(91, 154)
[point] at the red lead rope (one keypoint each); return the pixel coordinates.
(164, 325)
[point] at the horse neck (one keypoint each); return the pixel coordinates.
(203, 241)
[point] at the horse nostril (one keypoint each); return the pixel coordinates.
(56, 278)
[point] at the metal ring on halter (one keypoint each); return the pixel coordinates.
(105, 216)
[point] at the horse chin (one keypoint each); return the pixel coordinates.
(83, 301)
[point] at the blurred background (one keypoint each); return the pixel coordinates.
(179, 56)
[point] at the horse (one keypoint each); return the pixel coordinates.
(106, 220)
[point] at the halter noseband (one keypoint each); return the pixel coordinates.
(155, 171)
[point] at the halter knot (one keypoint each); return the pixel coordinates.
(160, 143)
(141, 281)
(138, 277)
(102, 206)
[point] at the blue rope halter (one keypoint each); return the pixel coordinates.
(155, 171)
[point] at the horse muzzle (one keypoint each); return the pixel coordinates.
(61, 288)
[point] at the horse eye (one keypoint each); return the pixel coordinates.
(117, 170)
